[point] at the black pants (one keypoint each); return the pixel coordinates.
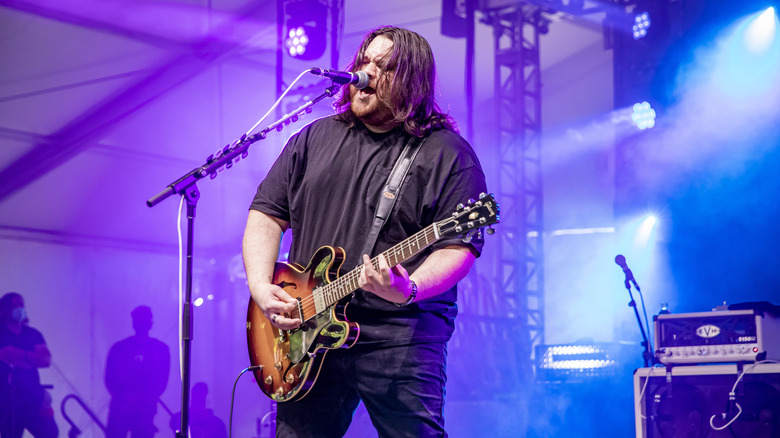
(134, 417)
(29, 410)
(402, 388)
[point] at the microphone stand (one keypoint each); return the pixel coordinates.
(186, 186)
(647, 355)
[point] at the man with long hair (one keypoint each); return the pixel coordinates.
(324, 187)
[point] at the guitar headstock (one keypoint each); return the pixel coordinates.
(469, 219)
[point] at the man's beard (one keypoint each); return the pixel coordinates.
(376, 112)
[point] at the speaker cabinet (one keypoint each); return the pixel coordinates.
(683, 401)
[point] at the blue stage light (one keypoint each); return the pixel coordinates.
(750, 62)
(761, 32)
(641, 25)
(643, 115)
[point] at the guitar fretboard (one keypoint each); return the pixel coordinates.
(331, 293)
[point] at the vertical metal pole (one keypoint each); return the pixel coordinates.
(470, 70)
(192, 194)
(279, 53)
(335, 11)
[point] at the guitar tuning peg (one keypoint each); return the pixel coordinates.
(482, 195)
(467, 238)
(461, 206)
(491, 231)
(471, 200)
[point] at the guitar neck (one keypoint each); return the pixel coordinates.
(347, 284)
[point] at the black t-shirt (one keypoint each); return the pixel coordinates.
(326, 184)
(25, 380)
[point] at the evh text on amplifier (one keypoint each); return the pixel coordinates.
(717, 336)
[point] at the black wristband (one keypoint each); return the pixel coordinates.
(411, 296)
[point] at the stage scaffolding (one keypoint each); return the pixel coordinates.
(517, 88)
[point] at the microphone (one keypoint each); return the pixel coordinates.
(621, 261)
(359, 78)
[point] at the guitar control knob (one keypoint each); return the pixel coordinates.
(269, 380)
(279, 392)
(291, 378)
(278, 366)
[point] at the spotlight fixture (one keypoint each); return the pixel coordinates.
(643, 115)
(640, 26)
(306, 25)
(296, 42)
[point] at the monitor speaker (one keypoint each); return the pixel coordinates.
(695, 401)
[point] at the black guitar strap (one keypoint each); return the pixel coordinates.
(391, 190)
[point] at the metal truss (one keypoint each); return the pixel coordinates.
(516, 31)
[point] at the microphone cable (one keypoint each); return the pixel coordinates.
(278, 101)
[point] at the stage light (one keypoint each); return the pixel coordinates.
(643, 228)
(297, 40)
(306, 26)
(760, 33)
(643, 115)
(641, 25)
(749, 66)
(573, 361)
(645, 231)
(198, 302)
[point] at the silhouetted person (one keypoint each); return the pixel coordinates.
(203, 423)
(136, 375)
(24, 404)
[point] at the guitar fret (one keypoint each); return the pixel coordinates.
(331, 293)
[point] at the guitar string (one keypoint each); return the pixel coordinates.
(342, 286)
(350, 279)
(329, 291)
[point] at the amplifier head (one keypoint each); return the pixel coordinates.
(718, 336)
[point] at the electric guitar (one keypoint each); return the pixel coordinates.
(289, 361)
